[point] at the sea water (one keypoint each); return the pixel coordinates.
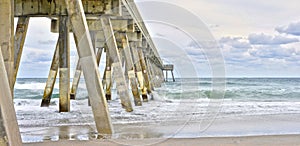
(239, 89)
(184, 102)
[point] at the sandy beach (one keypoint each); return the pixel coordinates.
(172, 118)
(152, 127)
(274, 140)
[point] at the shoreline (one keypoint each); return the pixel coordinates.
(241, 140)
(159, 119)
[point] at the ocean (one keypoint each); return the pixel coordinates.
(185, 108)
(239, 89)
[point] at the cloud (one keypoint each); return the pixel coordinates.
(34, 55)
(194, 51)
(234, 49)
(292, 28)
(235, 42)
(46, 42)
(239, 53)
(194, 44)
(263, 39)
(275, 52)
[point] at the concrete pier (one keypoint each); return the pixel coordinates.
(64, 64)
(51, 78)
(138, 69)
(7, 37)
(166, 68)
(147, 88)
(76, 80)
(90, 71)
(111, 26)
(20, 35)
(77, 75)
(78, 71)
(9, 129)
(116, 63)
(130, 71)
(108, 77)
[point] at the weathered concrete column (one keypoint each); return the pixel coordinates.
(9, 129)
(98, 55)
(89, 67)
(103, 78)
(51, 78)
(166, 76)
(104, 72)
(150, 72)
(138, 69)
(77, 75)
(145, 72)
(118, 74)
(172, 76)
(123, 62)
(155, 79)
(78, 71)
(108, 77)
(7, 37)
(20, 36)
(130, 71)
(160, 75)
(76, 80)
(64, 64)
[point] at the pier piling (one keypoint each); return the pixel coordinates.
(20, 35)
(147, 88)
(7, 38)
(9, 129)
(112, 26)
(77, 75)
(51, 78)
(166, 68)
(64, 64)
(118, 73)
(108, 77)
(90, 69)
(130, 71)
(138, 69)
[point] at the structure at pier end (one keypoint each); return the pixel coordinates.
(112, 26)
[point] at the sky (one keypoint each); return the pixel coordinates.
(254, 38)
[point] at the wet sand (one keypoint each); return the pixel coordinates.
(153, 135)
(156, 123)
(275, 140)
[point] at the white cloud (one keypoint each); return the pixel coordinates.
(275, 52)
(232, 21)
(235, 42)
(263, 39)
(292, 28)
(266, 59)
